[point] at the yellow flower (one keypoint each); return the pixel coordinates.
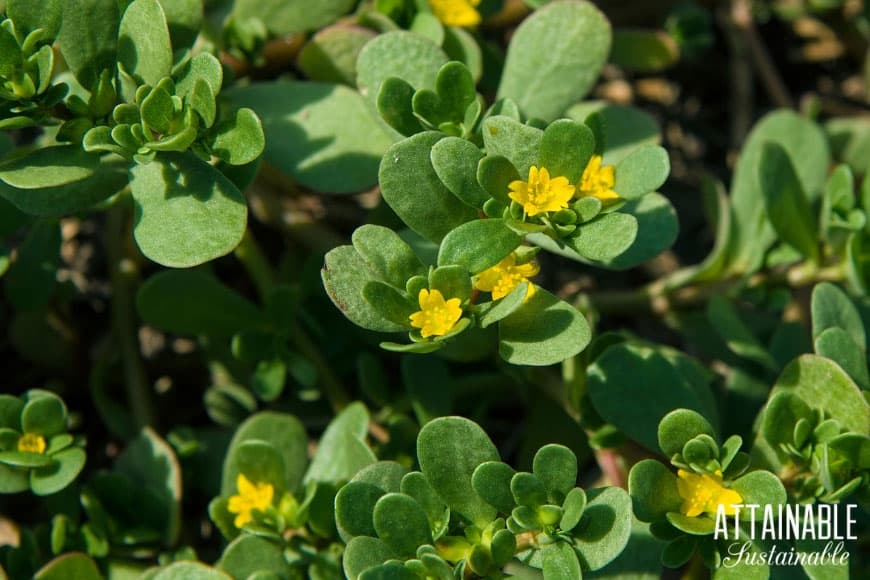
(705, 493)
(541, 194)
(456, 12)
(597, 181)
(250, 497)
(30, 443)
(502, 278)
(436, 316)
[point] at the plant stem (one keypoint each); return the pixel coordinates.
(125, 280)
(660, 297)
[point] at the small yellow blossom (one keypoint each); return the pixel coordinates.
(30, 443)
(436, 316)
(250, 497)
(502, 278)
(462, 13)
(540, 193)
(705, 493)
(597, 181)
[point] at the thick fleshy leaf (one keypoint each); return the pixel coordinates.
(283, 17)
(543, 331)
(249, 554)
(72, 565)
(363, 553)
(822, 384)
(190, 302)
(239, 140)
(606, 238)
(478, 245)
(605, 527)
(284, 433)
(625, 128)
(322, 135)
(405, 55)
(566, 148)
(832, 308)
(67, 465)
(671, 380)
(560, 562)
(657, 228)
(342, 451)
(785, 201)
(455, 161)
(151, 462)
(642, 171)
(144, 47)
(449, 449)
(28, 15)
(88, 38)
(680, 426)
(644, 51)
(808, 152)
(556, 467)
(330, 55)
(837, 345)
(187, 212)
(387, 254)
(726, 321)
(519, 143)
(548, 67)
(354, 505)
(492, 482)
(184, 18)
(32, 277)
(49, 167)
(412, 188)
(401, 523)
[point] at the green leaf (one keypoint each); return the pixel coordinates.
(449, 449)
(726, 321)
(188, 571)
(782, 413)
(492, 312)
(543, 331)
(387, 475)
(186, 212)
(492, 482)
(787, 207)
(248, 554)
(32, 278)
(642, 171)
(284, 434)
(679, 427)
(807, 149)
(44, 415)
(670, 381)
(184, 18)
(605, 527)
(191, 303)
(417, 486)
(411, 187)
(832, 308)
(495, 174)
(556, 466)
(644, 51)
(605, 238)
(696, 526)
(330, 55)
(26, 460)
(88, 38)
(354, 506)
(342, 451)
(202, 66)
(387, 254)
(239, 139)
(547, 69)
(151, 462)
(390, 303)
(363, 553)
(519, 143)
(324, 136)
(760, 488)
(144, 47)
(566, 148)
(29, 15)
(657, 229)
(837, 345)
(413, 58)
(13, 480)
(560, 562)
(66, 566)
(67, 465)
(344, 275)
(455, 162)
(625, 128)
(49, 167)
(478, 245)
(401, 523)
(283, 17)
(574, 504)
(394, 105)
(824, 385)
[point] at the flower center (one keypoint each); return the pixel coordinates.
(541, 194)
(30, 443)
(456, 12)
(502, 278)
(598, 180)
(705, 493)
(251, 496)
(436, 316)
